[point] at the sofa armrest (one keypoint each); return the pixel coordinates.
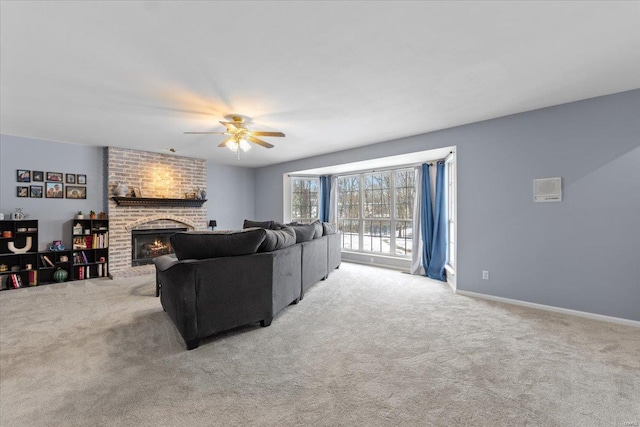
(178, 296)
(165, 262)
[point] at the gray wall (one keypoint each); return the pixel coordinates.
(581, 254)
(231, 191)
(230, 194)
(54, 215)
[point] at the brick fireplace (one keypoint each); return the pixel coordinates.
(157, 176)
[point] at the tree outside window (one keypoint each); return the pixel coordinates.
(304, 199)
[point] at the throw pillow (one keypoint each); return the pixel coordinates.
(304, 233)
(262, 224)
(278, 239)
(328, 228)
(214, 244)
(318, 229)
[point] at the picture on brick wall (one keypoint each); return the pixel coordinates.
(54, 190)
(36, 191)
(70, 178)
(81, 179)
(37, 176)
(23, 175)
(54, 176)
(23, 191)
(75, 192)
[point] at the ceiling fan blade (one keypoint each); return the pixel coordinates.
(264, 133)
(224, 143)
(207, 133)
(259, 142)
(235, 125)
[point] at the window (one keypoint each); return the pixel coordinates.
(450, 168)
(304, 199)
(375, 212)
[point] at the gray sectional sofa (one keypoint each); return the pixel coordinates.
(224, 279)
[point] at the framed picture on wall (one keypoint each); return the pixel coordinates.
(37, 176)
(54, 190)
(36, 191)
(76, 192)
(81, 179)
(23, 175)
(70, 178)
(54, 176)
(23, 192)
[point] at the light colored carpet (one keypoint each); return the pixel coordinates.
(367, 347)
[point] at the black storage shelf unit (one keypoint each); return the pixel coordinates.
(90, 249)
(32, 268)
(14, 267)
(60, 260)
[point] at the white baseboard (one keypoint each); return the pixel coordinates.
(593, 316)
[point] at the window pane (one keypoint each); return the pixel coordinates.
(377, 195)
(350, 230)
(304, 199)
(376, 236)
(405, 192)
(404, 238)
(349, 197)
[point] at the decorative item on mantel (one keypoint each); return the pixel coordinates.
(120, 190)
(102, 215)
(92, 215)
(79, 215)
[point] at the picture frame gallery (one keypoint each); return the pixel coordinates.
(56, 185)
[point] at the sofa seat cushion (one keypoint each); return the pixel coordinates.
(278, 239)
(304, 233)
(214, 244)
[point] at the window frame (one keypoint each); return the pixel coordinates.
(392, 219)
(291, 197)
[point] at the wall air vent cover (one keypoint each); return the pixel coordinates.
(547, 190)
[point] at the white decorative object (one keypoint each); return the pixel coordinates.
(1, 216)
(120, 190)
(27, 246)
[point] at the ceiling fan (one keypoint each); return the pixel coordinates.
(239, 135)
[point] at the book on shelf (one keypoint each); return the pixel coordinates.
(33, 277)
(16, 281)
(48, 261)
(84, 257)
(79, 243)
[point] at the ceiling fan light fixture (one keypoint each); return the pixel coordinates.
(244, 145)
(232, 145)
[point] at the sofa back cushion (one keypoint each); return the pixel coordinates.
(268, 225)
(304, 233)
(214, 244)
(328, 228)
(317, 225)
(278, 239)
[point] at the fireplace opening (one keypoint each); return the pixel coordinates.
(148, 244)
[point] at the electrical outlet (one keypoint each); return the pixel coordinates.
(485, 275)
(371, 260)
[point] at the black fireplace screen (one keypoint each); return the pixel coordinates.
(148, 244)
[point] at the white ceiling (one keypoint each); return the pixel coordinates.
(330, 75)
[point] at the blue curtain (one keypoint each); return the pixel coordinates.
(426, 218)
(325, 198)
(439, 244)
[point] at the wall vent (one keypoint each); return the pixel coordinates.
(547, 190)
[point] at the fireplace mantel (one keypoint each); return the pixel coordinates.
(153, 201)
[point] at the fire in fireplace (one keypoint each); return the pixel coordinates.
(148, 244)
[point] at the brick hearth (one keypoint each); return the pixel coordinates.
(157, 175)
